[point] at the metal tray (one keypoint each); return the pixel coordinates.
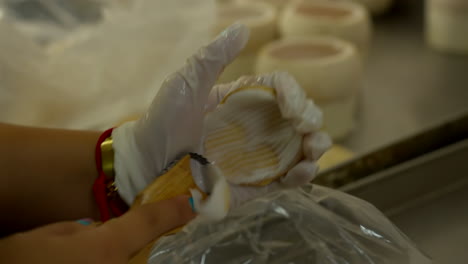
(427, 198)
(408, 86)
(412, 137)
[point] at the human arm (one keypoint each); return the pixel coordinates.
(49, 168)
(115, 241)
(46, 175)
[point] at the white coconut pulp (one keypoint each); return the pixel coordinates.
(248, 138)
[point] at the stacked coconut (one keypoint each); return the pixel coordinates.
(447, 25)
(322, 43)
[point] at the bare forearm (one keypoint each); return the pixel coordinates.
(46, 175)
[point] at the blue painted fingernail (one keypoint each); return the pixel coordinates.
(191, 203)
(85, 221)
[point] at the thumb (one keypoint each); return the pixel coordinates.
(202, 70)
(178, 108)
(137, 228)
(187, 90)
(192, 84)
(61, 229)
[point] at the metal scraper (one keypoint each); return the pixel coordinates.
(176, 179)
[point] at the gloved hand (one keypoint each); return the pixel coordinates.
(306, 118)
(174, 121)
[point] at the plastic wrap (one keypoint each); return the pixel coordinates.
(45, 21)
(90, 72)
(313, 225)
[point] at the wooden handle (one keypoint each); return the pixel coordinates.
(177, 181)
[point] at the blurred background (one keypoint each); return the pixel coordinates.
(390, 75)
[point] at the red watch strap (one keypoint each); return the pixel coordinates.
(100, 195)
(108, 205)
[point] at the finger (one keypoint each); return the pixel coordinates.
(316, 144)
(218, 93)
(309, 120)
(286, 87)
(62, 229)
(216, 206)
(303, 173)
(290, 95)
(134, 230)
(291, 98)
(179, 107)
(200, 72)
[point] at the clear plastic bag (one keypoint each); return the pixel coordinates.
(47, 20)
(311, 225)
(93, 72)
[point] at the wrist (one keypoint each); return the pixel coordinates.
(130, 169)
(105, 191)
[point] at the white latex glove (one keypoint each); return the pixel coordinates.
(305, 116)
(174, 122)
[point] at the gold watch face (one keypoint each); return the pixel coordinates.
(107, 157)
